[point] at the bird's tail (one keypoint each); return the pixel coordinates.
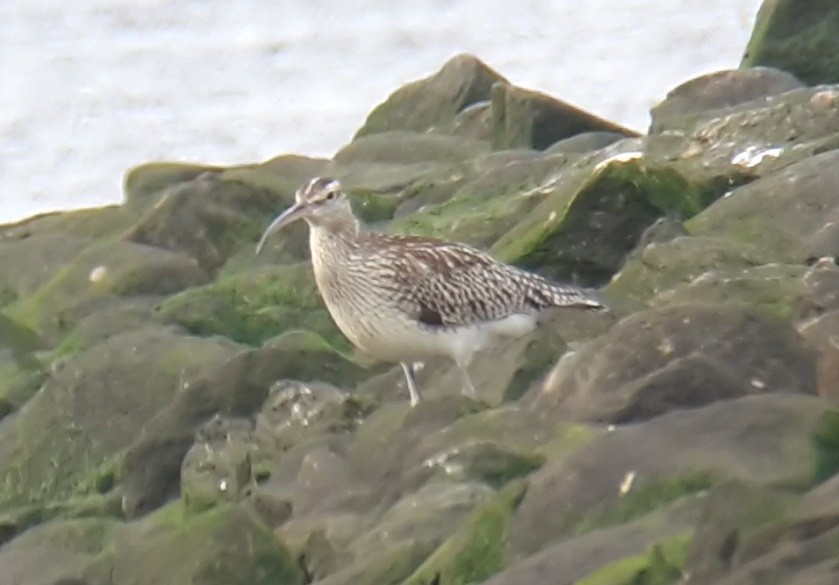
(550, 295)
(580, 298)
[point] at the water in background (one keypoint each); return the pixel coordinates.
(92, 87)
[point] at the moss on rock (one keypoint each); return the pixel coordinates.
(224, 545)
(58, 441)
(662, 565)
(661, 266)
(435, 100)
(147, 180)
(777, 289)
(799, 37)
(104, 270)
(475, 552)
(557, 236)
(642, 499)
(254, 305)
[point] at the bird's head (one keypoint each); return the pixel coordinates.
(321, 202)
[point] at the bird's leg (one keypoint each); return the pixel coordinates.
(411, 379)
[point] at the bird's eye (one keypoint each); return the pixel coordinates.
(330, 196)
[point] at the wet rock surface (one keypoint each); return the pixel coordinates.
(176, 409)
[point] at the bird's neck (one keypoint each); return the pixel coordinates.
(346, 228)
(334, 240)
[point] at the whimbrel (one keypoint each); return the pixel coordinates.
(404, 299)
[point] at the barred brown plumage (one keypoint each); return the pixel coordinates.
(406, 298)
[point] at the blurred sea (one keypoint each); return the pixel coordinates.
(92, 87)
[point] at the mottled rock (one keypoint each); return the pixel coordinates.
(143, 183)
(207, 218)
(795, 547)
(57, 440)
(234, 384)
(620, 195)
(777, 289)
(223, 546)
(656, 361)
(296, 410)
(253, 305)
(821, 333)
(486, 203)
(217, 468)
(765, 440)
(527, 118)
(102, 271)
(474, 121)
(584, 142)
(628, 549)
(661, 266)
(435, 100)
(733, 512)
(62, 551)
(802, 38)
(32, 261)
(100, 319)
(18, 343)
(384, 445)
(86, 224)
(401, 147)
(715, 91)
(238, 386)
(781, 213)
(410, 530)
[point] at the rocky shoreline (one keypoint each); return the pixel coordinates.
(175, 409)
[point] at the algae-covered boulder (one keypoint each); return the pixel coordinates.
(656, 361)
(224, 546)
(236, 385)
(57, 441)
(294, 411)
(144, 182)
(777, 289)
(103, 271)
(648, 549)
(31, 262)
(657, 267)
(782, 214)
(561, 232)
(799, 37)
(57, 552)
(253, 305)
(638, 467)
(206, 218)
(217, 468)
(747, 532)
(716, 91)
(436, 100)
(410, 530)
(526, 118)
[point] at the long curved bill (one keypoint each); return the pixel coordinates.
(288, 216)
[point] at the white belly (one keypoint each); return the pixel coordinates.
(387, 335)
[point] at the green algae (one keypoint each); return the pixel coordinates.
(662, 565)
(643, 499)
(800, 38)
(475, 552)
(253, 306)
(148, 179)
(826, 443)
(619, 199)
(225, 546)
